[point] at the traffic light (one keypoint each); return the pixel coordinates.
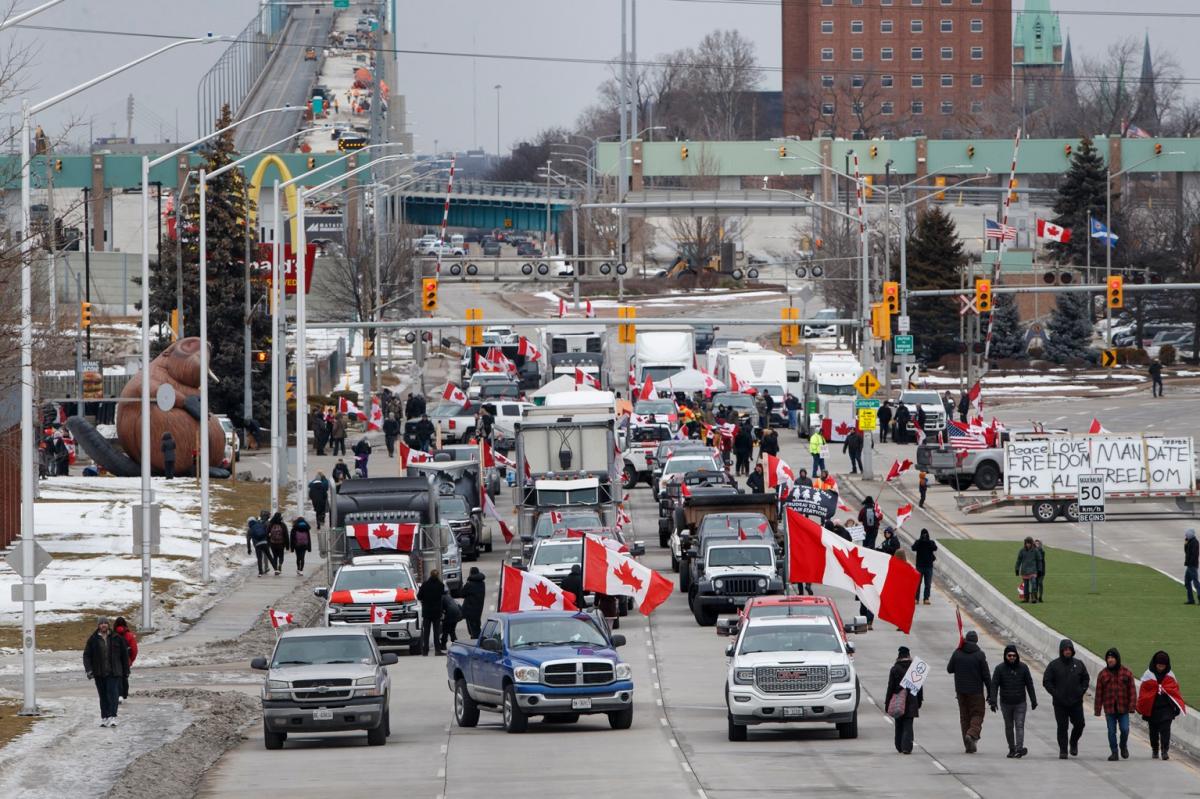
(881, 322)
(58, 165)
(983, 295)
(1116, 292)
(1067, 150)
(1158, 149)
(874, 151)
(474, 336)
(1012, 190)
(789, 332)
(970, 151)
(868, 183)
(940, 182)
(368, 348)
(429, 288)
(261, 356)
(175, 324)
(627, 333)
(85, 314)
(891, 297)
(312, 163)
(683, 153)
(782, 151)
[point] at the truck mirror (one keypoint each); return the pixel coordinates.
(729, 650)
(618, 640)
(321, 592)
(518, 562)
(476, 511)
(259, 664)
(388, 659)
(638, 549)
(489, 645)
(850, 647)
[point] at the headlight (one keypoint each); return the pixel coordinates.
(718, 584)
(839, 673)
(368, 686)
(623, 671)
(743, 676)
(277, 689)
(278, 685)
(526, 674)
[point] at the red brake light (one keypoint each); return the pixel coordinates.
(451, 424)
(671, 417)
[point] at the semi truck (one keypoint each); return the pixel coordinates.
(762, 369)
(661, 353)
(829, 395)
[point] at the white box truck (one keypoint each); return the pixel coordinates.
(763, 369)
(661, 353)
(829, 395)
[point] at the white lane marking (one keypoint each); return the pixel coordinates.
(658, 702)
(686, 767)
(938, 765)
(1113, 408)
(653, 670)
(1059, 418)
(650, 655)
(971, 793)
(699, 792)
(444, 748)
(656, 687)
(441, 773)
(674, 744)
(662, 721)
(647, 628)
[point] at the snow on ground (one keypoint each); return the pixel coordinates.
(1061, 381)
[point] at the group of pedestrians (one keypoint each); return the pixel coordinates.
(441, 613)
(269, 538)
(1009, 688)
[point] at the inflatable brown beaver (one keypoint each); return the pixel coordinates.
(179, 366)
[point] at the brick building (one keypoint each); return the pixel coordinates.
(893, 68)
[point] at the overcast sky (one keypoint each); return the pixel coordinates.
(451, 100)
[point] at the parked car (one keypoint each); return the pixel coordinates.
(233, 445)
(491, 247)
(818, 330)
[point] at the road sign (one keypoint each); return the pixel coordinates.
(859, 404)
(1090, 497)
(902, 324)
(805, 294)
(1108, 358)
(867, 384)
(341, 3)
(18, 592)
(15, 558)
(867, 419)
(909, 372)
(967, 303)
(903, 344)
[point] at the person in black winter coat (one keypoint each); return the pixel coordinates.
(890, 543)
(430, 597)
(869, 518)
(301, 542)
(769, 445)
(912, 705)
(341, 471)
(256, 537)
(106, 660)
(743, 446)
(362, 453)
(1011, 683)
(474, 593)
(1066, 680)
(391, 431)
(853, 446)
(1155, 704)
(925, 547)
(168, 453)
(573, 583)
(279, 538)
(972, 684)
(902, 419)
(452, 614)
(885, 420)
(1191, 564)
(755, 481)
(318, 495)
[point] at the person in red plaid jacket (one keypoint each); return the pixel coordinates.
(1116, 697)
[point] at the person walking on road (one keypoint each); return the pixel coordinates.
(337, 436)
(885, 420)
(769, 445)
(756, 482)
(430, 597)
(853, 446)
(1159, 702)
(964, 407)
(1041, 568)
(1026, 569)
(869, 518)
(278, 537)
(1191, 564)
(1156, 382)
(922, 486)
(121, 628)
(816, 442)
(925, 547)
(391, 431)
(1011, 683)
(316, 423)
(168, 453)
(1066, 680)
(903, 417)
(256, 538)
(1116, 697)
(474, 593)
(912, 702)
(890, 543)
(972, 684)
(341, 472)
(318, 495)
(301, 542)
(573, 584)
(362, 453)
(106, 661)
(743, 446)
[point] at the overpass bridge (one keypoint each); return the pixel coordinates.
(488, 204)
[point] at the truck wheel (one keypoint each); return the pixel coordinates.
(685, 576)
(692, 591)
(466, 712)
(849, 729)
(987, 476)
(737, 732)
(414, 648)
(674, 563)
(1070, 511)
(515, 720)
(387, 720)
(273, 740)
(664, 538)
(1045, 511)
(621, 719)
(629, 476)
(377, 736)
(705, 617)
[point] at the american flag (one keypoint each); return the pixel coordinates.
(963, 437)
(995, 230)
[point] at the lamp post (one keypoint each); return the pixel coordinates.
(497, 87)
(28, 632)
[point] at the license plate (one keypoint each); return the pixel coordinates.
(793, 712)
(322, 714)
(581, 704)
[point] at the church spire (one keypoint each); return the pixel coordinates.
(1145, 115)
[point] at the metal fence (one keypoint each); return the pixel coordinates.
(232, 77)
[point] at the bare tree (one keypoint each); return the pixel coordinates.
(348, 284)
(852, 106)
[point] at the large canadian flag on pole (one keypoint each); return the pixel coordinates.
(778, 472)
(648, 392)
(1052, 232)
(410, 455)
(886, 585)
(347, 407)
(527, 591)
(454, 394)
(606, 571)
(376, 420)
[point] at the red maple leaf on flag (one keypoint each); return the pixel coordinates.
(843, 429)
(383, 531)
(852, 564)
(542, 596)
(625, 574)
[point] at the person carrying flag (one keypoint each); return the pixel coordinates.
(1159, 702)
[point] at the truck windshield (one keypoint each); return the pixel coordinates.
(311, 650)
(773, 611)
(576, 521)
(731, 400)
(452, 507)
(752, 524)
(528, 633)
(790, 638)
(558, 554)
(836, 391)
(660, 373)
(648, 407)
(576, 496)
(740, 556)
(679, 464)
(920, 398)
(357, 579)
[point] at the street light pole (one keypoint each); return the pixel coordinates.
(497, 87)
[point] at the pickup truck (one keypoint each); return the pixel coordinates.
(641, 444)
(982, 467)
(928, 401)
(554, 664)
(384, 581)
(325, 680)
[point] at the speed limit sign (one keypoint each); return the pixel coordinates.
(1091, 498)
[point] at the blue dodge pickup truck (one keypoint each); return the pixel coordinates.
(549, 663)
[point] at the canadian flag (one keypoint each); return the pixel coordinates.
(279, 618)
(886, 585)
(1096, 428)
(409, 455)
(632, 378)
(735, 385)
(369, 596)
(898, 468)
(382, 535)
(606, 571)
(588, 311)
(501, 362)
(527, 591)
(920, 434)
(454, 394)
(1052, 232)
(582, 378)
(482, 364)
(778, 472)
(489, 508)
(647, 392)
(958, 621)
(1151, 687)
(527, 349)
(562, 307)
(380, 615)
(902, 514)
(684, 491)
(347, 407)
(376, 420)
(975, 398)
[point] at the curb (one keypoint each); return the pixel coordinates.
(1012, 622)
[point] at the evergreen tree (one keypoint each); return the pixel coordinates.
(935, 256)
(1007, 339)
(1070, 328)
(227, 210)
(1080, 193)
